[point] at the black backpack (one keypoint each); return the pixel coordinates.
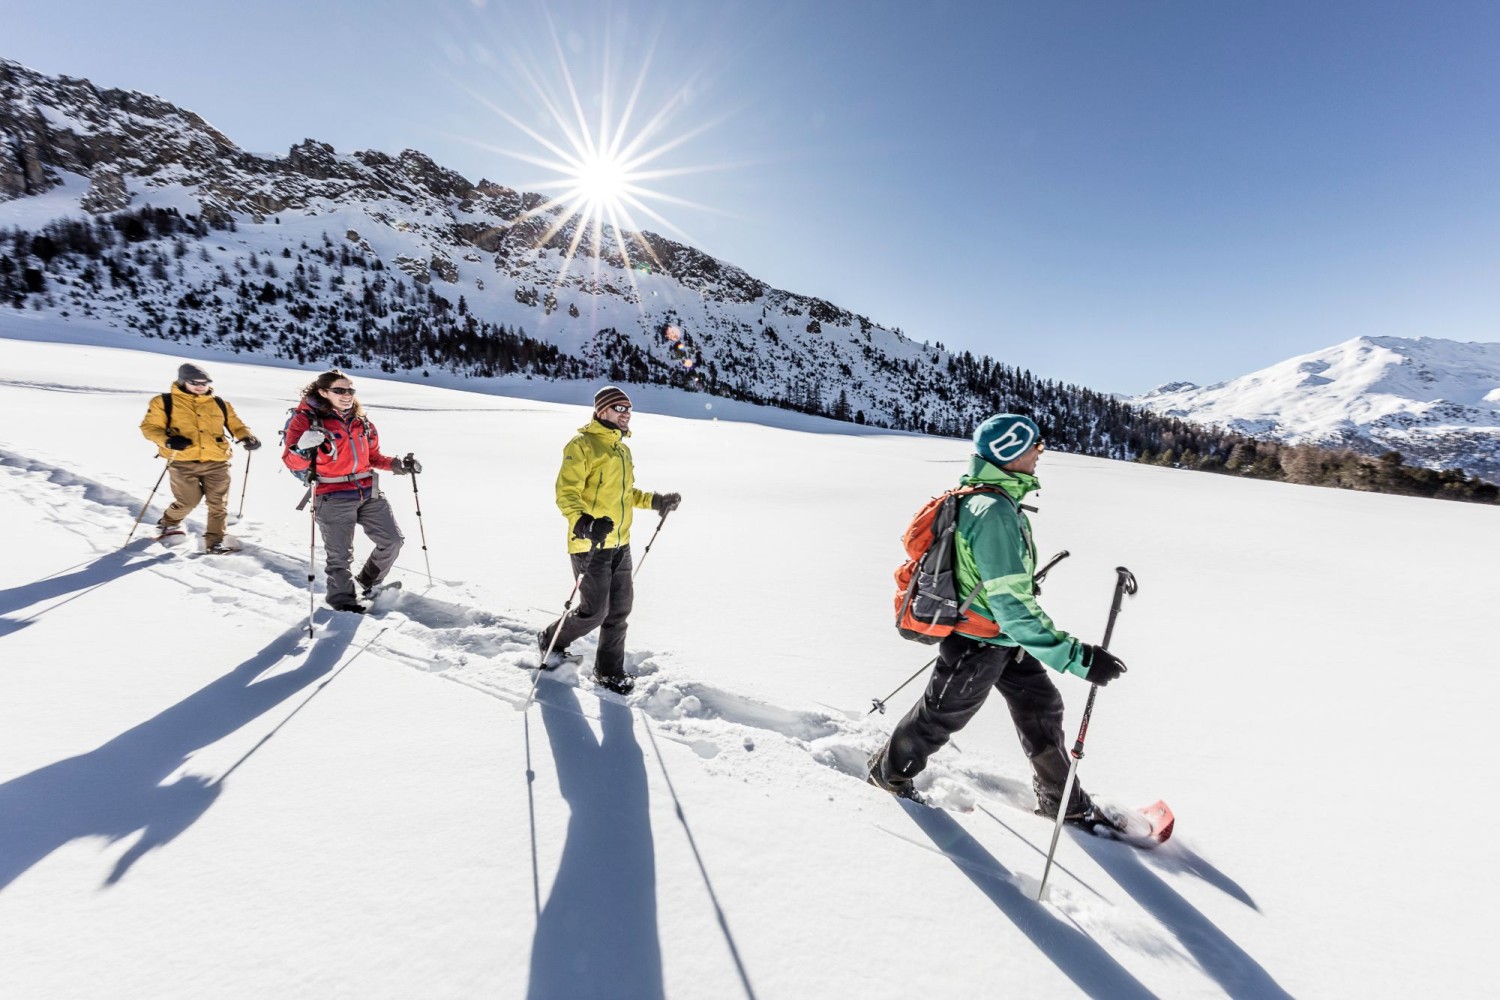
(166, 404)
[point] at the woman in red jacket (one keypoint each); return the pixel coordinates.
(333, 447)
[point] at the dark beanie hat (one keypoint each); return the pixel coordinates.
(188, 372)
(607, 397)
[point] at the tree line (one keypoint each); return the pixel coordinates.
(327, 303)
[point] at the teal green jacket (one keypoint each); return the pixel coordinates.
(994, 544)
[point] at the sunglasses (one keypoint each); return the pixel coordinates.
(339, 390)
(200, 381)
(620, 408)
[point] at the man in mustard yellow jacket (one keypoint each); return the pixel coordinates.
(596, 493)
(192, 428)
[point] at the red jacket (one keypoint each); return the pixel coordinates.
(352, 447)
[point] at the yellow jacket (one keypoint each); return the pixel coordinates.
(197, 418)
(598, 478)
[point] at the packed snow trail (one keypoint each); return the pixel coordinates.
(439, 630)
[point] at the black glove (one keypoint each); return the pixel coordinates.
(600, 529)
(664, 503)
(1103, 666)
(176, 442)
(411, 463)
(250, 443)
(583, 526)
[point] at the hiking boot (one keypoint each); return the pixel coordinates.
(1093, 819)
(217, 549)
(622, 684)
(554, 659)
(902, 790)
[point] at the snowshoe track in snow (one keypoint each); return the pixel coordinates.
(445, 630)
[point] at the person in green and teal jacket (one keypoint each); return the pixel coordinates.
(1008, 643)
(596, 493)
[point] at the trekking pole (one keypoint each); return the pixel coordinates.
(1041, 574)
(312, 546)
(147, 505)
(1124, 584)
(417, 499)
(878, 704)
(244, 486)
(650, 543)
(567, 606)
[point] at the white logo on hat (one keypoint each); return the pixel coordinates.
(1013, 443)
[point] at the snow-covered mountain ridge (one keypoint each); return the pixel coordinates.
(1437, 402)
(641, 308)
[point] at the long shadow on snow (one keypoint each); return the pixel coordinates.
(116, 789)
(597, 934)
(105, 569)
(1092, 969)
(1237, 973)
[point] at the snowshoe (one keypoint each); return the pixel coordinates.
(351, 606)
(905, 790)
(373, 592)
(171, 535)
(556, 658)
(622, 685)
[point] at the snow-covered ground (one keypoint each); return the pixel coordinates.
(196, 801)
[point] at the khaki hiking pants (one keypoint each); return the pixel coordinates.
(194, 481)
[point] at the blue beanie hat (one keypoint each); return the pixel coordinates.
(1005, 437)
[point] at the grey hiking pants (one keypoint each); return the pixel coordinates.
(967, 670)
(605, 598)
(337, 515)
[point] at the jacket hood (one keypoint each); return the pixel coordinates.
(985, 473)
(599, 428)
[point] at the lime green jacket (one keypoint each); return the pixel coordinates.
(994, 545)
(598, 478)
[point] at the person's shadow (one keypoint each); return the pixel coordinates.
(1092, 969)
(597, 936)
(1237, 974)
(116, 790)
(96, 573)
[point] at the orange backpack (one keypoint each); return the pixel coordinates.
(927, 601)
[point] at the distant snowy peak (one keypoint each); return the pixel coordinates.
(1435, 401)
(1168, 388)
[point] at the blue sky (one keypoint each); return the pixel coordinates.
(1112, 193)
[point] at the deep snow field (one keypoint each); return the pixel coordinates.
(196, 801)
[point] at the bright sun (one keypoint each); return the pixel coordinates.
(601, 183)
(604, 159)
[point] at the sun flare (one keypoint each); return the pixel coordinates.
(602, 147)
(600, 184)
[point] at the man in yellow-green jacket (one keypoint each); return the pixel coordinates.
(596, 493)
(192, 428)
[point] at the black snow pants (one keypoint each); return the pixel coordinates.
(966, 671)
(605, 598)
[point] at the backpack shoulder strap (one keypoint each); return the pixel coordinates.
(166, 405)
(224, 410)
